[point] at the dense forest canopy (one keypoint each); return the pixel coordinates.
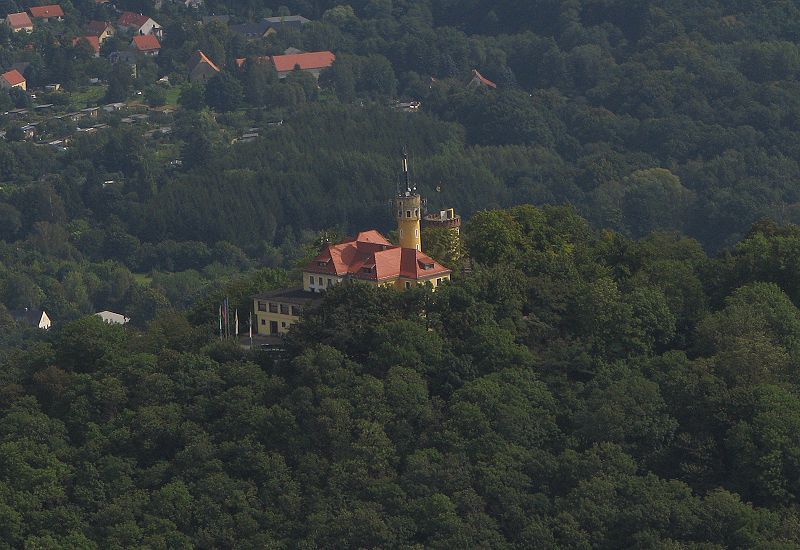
(573, 389)
(613, 365)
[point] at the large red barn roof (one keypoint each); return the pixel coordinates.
(310, 60)
(53, 10)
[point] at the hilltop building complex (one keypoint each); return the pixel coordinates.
(369, 258)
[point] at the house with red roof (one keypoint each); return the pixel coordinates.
(103, 30)
(146, 44)
(47, 13)
(201, 68)
(19, 22)
(13, 79)
(309, 62)
(479, 81)
(136, 23)
(92, 41)
(371, 258)
(368, 258)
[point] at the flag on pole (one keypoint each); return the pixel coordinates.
(226, 317)
(250, 328)
(236, 322)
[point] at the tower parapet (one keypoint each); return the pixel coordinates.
(446, 219)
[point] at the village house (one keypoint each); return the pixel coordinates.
(312, 62)
(19, 22)
(269, 26)
(13, 79)
(251, 31)
(112, 318)
(285, 22)
(136, 23)
(146, 44)
(36, 318)
(477, 80)
(92, 41)
(201, 68)
(103, 30)
(126, 57)
(52, 12)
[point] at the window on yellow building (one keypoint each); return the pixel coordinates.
(284, 309)
(273, 308)
(296, 311)
(262, 306)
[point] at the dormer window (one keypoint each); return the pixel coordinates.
(426, 265)
(322, 264)
(368, 269)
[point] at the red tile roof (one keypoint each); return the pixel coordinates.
(203, 58)
(478, 78)
(93, 41)
(97, 28)
(13, 77)
(130, 19)
(311, 60)
(19, 20)
(53, 10)
(146, 43)
(372, 236)
(371, 257)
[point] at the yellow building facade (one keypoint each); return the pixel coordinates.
(275, 312)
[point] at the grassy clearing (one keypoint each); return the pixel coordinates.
(172, 95)
(142, 279)
(88, 97)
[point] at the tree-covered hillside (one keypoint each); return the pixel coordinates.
(575, 389)
(614, 367)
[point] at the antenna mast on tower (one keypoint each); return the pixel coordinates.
(406, 174)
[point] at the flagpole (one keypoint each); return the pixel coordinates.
(250, 328)
(225, 315)
(219, 319)
(236, 324)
